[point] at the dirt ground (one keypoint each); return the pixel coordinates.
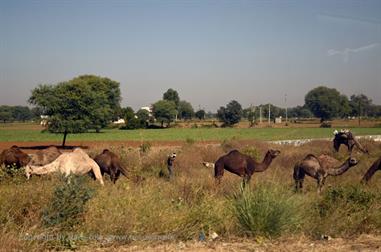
(294, 244)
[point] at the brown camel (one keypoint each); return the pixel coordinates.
(347, 138)
(109, 163)
(14, 157)
(242, 165)
(312, 167)
(372, 169)
(45, 156)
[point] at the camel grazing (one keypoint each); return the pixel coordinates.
(313, 167)
(45, 156)
(242, 165)
(346, 137)
(76, 162)
(109, 163)
(372, 169)
(14, 157)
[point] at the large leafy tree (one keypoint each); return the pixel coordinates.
(200, 114)
(5, 113)
(360, 105)
(172, 95)
(326, 103)
(164, 111)
(185, 110)
(83, 103)
(231, 114)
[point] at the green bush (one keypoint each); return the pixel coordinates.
(267, 211)
(145, 147)
(345, 210)
(68, 203)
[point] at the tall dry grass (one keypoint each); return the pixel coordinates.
(155, 208)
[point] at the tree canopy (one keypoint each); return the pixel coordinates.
(75, 106)
(200, 114)
(164, 111)
(172, 95)
(185, 110)
(327, 103)
(231, 114)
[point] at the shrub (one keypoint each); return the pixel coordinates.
(145, 147)
(325, 125)
(67, 203)
(345, 210)
(267, 211)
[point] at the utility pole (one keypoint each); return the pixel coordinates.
(260, 114)
(359, 112)
(269, 114)
(285, 101)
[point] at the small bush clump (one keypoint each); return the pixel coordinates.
(266, 211)
(68, 203)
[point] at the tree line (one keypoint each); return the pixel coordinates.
(90, 102)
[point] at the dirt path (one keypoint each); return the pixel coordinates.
(295, 244)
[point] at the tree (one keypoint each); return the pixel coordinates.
(21, 113)
(326, 103)
(83, 103)
(172, 95)
(231, 114)
(300, 112)
(164, 111)
(5, 114)
(360, 105)
(128, 113)
(200, 114)
(185, 110)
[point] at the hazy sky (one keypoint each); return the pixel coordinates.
(209, 51)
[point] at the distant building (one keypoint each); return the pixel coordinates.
(119, 121)
(149, 109)
(278, 119)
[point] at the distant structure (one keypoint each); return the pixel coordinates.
(149, 109)
(119, 121)
(278, 120)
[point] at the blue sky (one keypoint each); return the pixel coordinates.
(209, 51)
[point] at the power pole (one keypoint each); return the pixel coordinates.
(285, 101)
(269, 114)
(260, 114)
(359, 112)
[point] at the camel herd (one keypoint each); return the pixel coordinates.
(79, 162)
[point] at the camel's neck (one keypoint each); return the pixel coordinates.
(338, 171)
(40, 170)
(265, 163)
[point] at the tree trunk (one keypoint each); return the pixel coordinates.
(64, 139)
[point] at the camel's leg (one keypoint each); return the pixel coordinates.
(117, 174)
(97, 174)
(218, 172)
(320, 183)
(298, 176)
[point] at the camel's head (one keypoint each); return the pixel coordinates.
(352, 161)
(274, 153)
(173, 155)
(28, 171)
(208, 165)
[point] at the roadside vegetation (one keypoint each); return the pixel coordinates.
(48, 213)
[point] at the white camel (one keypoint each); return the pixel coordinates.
(75, 162)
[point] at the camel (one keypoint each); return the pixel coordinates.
(372, 169)
(76, 162)
(242, 165)
(45, 156)
(109, 163)
(313, 167)
(346, 137)
(14, 157)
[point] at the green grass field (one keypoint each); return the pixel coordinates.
(23, 134)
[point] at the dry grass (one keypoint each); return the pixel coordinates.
(191, 203)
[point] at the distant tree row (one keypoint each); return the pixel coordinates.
(17, 113)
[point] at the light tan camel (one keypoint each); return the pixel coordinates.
(76, 162)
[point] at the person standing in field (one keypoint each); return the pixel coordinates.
(170, 163)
